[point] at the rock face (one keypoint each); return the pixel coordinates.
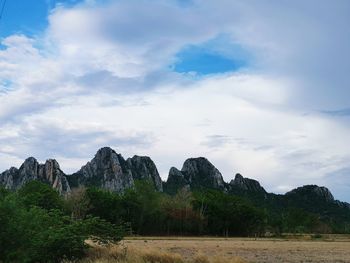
(49, 172)
(196, 173)
(52, 174)
(312, 191)
(246, 184)
(107, 170)
(142, 167)
(9, 178)
(199, 172)
(176, 180)
(110, 171)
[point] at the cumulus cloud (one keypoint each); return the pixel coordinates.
(102, 73)
(46, 138)
(306, 41)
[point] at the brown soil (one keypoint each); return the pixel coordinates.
(261, 250)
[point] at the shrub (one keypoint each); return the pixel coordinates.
(41, 195)
(30, 233)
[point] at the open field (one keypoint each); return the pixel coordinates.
(220, 250)
(330, 249)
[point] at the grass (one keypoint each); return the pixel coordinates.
(123, 254)
(289, 249)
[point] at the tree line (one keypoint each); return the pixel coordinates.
(145, 211)
(39, 225)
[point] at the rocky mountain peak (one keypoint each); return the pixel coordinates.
(197, 165)
(199, 172)
(107, 170)
(176, 181)
(30, 160)
(238, 177)
(142, 167)
(29, 168)
(51, 166)
(105, 151)
(175, 173)
(195, 173)
(246, 184)
(324, 193)
(9, 178)
(49, 172)
(52, 173)
(313, 191)
(106, 156)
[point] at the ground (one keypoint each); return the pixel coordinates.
(331, 249)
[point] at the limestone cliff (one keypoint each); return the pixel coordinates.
(196, 173)
(49, 172)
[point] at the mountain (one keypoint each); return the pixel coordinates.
(199, 173)
(311, 192)
(49, 173)
(142, 167)
(307, 208)
(317, 199)
(110, 171)
(176, 181)
(107, 170)
(241, 184)
(248, 188)
(196, 173)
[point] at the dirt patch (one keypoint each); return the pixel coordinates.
(262, 250)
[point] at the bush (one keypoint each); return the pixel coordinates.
(30, 233)
(39, 194)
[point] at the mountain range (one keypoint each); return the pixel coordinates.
(110, 171)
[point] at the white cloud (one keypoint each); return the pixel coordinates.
(307, 41)
(99, 75)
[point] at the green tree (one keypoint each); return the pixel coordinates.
(142, 208)
(78, 203)
(30, 233)
(229, 215)
(40, 194)
(180, 218)
(104, 204)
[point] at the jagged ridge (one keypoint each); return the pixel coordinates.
(110, 171)
(49, 172)
(107, 170)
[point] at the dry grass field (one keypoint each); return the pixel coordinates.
(220, 250)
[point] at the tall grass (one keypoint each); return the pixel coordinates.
(121, 254)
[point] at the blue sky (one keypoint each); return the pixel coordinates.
(30, 18)
(257, 88)
(203, 59)
(27, 17)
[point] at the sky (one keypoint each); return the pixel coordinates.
(259, 88)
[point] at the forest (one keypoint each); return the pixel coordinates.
(40, 225)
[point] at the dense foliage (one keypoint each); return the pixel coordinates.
(39, 225)
(149, 212)
(210, 212)
(35, 227)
